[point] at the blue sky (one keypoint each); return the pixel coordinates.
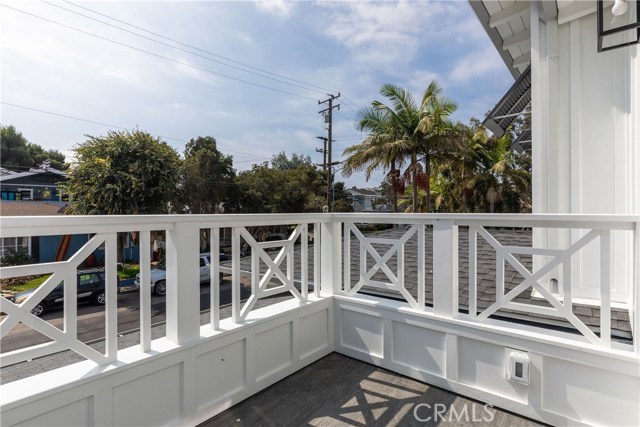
(347, 47)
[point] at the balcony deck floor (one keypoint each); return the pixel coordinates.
(340, 391)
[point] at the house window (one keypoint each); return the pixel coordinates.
(26, 193)
(14, 244)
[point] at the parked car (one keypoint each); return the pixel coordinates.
(90, 290)
(159, 274)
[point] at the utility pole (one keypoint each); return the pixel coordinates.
(328, 114)
(323, 150)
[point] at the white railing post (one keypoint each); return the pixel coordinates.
(111, 294)
(236, 305)
(214, 276)
(445, 268)
(635, 290)
(606, 282)
(304, 262)
(331, 258)
(145, 290)
(183, 283)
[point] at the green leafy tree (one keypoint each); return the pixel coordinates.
(341, 199)
(282, 161)
(17, 152)
(265, 189)
(269, 190)
(123, 173)
(208, 178)
(502, 178)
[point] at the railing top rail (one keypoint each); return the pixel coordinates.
(72, 224)
(15, 226)
(609, 221)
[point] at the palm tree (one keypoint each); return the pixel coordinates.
(499, 172)
(404, 116)
(382, 148)
(387, 144)
(436, 131)
(399, 133)
(465, 160)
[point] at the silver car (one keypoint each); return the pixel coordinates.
(159, 275)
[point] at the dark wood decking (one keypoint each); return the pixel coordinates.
(341, 391)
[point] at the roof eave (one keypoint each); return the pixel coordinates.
(483, 16)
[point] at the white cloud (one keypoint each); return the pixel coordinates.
(387, 32)
(474, 65)
(187, 68)
(420, 79)
(245, 38)
(280, 8)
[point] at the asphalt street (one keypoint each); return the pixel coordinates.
(91, 321)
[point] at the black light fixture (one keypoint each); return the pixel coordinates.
(620, 9)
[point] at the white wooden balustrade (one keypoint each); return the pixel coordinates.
(332, 236)
(197, 371)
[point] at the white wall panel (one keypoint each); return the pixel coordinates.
(419, 348)
(152, 400)
(362, 332)
(482, 365)
(183, 385)
(220, 372)
(75, 414)
(567, 383)
(272, 351)
(591, 395)
(313, 333)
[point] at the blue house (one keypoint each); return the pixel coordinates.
(37, 193)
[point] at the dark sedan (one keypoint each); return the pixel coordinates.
(90, 290)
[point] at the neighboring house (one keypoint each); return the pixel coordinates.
(36, 193)
(41, 248)
(368, 200)
(36, 184)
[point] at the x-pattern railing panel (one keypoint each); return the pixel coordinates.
(396, 247)
(65, 339)
(557, 258)
(261, 284)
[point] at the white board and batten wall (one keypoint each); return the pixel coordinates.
(586, 139)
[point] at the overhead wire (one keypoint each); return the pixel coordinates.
(186, 64)
(118, 127)
(280, 76)
(199, 49)
(171, 60)
(183, 50)
(352, 103)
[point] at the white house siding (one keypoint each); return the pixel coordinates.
(586, 132)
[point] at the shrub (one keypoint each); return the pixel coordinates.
(12, 257)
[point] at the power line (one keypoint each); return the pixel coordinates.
(345, 117)
(117, 127)
(352, 103)
(183, 50)
(196, 48)
(157, 55)
(321, 89)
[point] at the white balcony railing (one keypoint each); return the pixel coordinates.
(419, 262)
(182, 253)
(593, 231)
